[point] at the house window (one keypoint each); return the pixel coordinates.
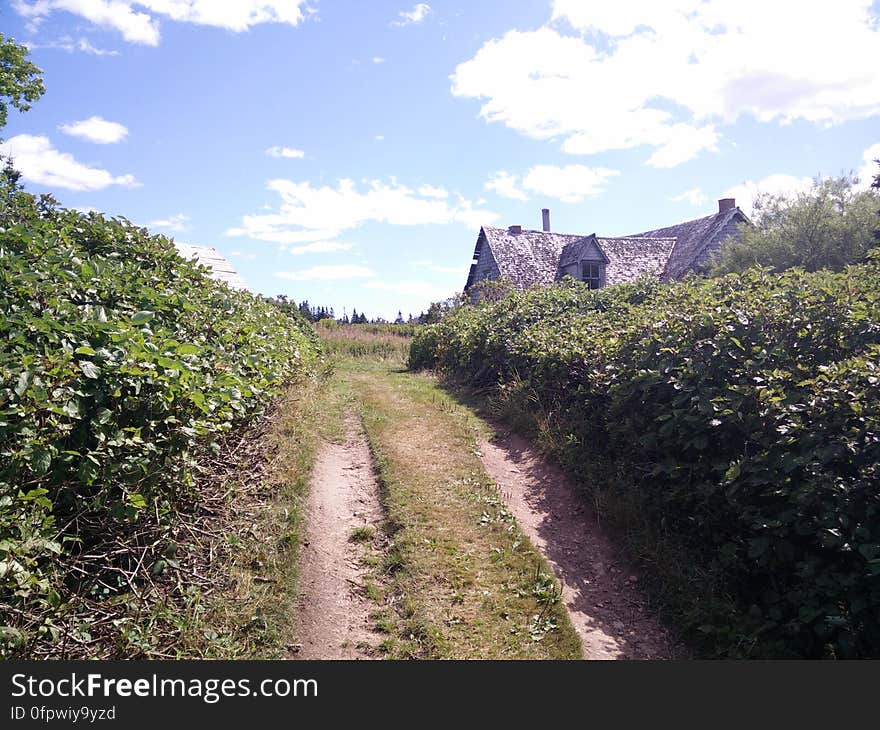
(591, 273)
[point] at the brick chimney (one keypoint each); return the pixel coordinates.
(726, 204)
(545, 215)
(515, 229)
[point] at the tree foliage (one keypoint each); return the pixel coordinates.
(21, 82)
(830, 226)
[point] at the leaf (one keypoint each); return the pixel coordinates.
(41, 460)
(71, 408)
(103, 415)
(145, 315)
(89, 369)
(23, 381)
(84, 350)
(137, 500)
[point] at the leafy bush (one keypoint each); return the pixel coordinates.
(733, 423)
(119, 363)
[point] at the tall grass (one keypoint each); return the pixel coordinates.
(375, 341)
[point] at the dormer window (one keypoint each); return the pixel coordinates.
(591, 273)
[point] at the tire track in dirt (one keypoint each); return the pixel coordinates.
(604, 602)
(334, 613)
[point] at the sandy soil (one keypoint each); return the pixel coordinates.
(603, 598)
(333, 611)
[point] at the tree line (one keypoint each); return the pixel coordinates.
(312, 313)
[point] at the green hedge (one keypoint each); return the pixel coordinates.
(737, 418)
(119, 362)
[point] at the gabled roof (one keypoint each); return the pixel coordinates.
(692, 237)
(579, 249)
(526, 258)
(208, 256)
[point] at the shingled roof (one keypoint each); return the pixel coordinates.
(692, 239)
(633, 257)
(526, 258)
(208, 256)
(529, 257)
(536, 257)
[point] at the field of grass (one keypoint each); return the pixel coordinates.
(383, 342)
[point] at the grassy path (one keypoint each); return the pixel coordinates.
(457, 577)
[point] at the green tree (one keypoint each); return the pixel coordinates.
(21, 82)
(828, 227)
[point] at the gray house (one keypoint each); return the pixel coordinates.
(542, 257)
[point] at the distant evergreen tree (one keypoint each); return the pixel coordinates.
(399, 319)
(304, 310)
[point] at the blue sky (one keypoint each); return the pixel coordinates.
(347, 152)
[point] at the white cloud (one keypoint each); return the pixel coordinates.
(778, 184)
(570, 183)
(869, 167)
(379, 138)
(415, 16)
(789, 185)
(96, 129)
(312, 214)
(683, 143)
(668, 75)
(378, 59)
(83, 45)
(320, 247)
(142, 25)
(39, 162)
(135, 26)
(174, 223)
(429, 191)
(505, 185)
(288, 152)
(245, 256)
(694, 196)
(328, 273)
(424, 290)
(70, 45)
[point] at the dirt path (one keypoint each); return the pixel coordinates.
(603, 600)
(333, 610)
